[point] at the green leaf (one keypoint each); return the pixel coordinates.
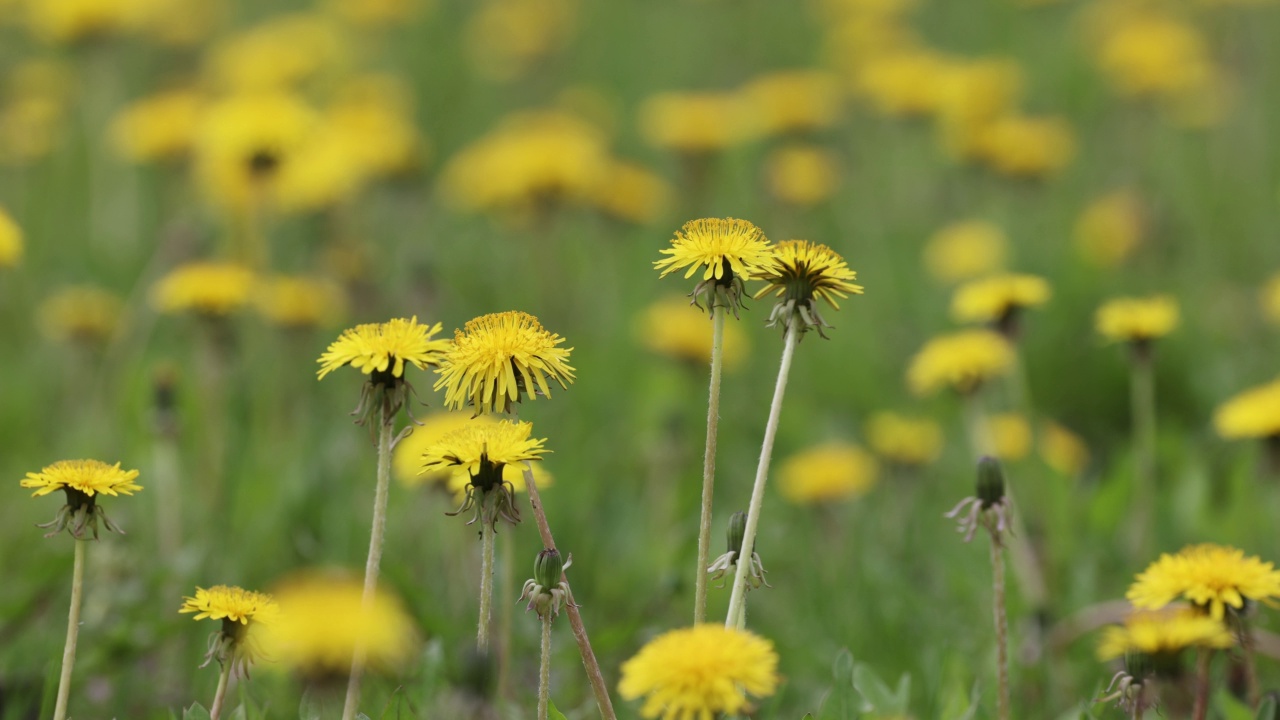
(958, 704)
(239, 713)
(553, 713)
(841, 701)
(876, 695)
(195, 712)
(1267, 708)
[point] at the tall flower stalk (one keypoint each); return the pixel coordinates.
(73, 633)
(709, 465)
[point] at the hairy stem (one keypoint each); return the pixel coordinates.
(709, 465)
(73, 632)
(1002, 626)
(1143, 408)
(1201, 708)
(487, 537)
(221, 692)
(544, 670)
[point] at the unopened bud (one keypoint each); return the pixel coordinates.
(737, 530)
(990, 481)
(548, 568)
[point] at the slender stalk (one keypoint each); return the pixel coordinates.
(486, 578)
(737, 615)
(1201, 709)
(385, 433)
(1245, 635)
(1143, 408)
(1002, 626)
(709, 465)
(594, 676)
(218, 695)
(73, 632)
(544, 670)
(506, 589)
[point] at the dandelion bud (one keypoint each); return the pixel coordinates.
(737, 529)
(990, 481)
(548, 568)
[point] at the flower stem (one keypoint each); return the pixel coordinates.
(544, 670)
(385, 433)
(1245, 635)
(1143, 408)
(594, 676)
(73, 631)
(506, 589)
(487, 538)
(1201, 709)
(218, 695)
(709, 465)
(737, 600)
(1002, 626)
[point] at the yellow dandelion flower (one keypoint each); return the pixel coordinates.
(722, 248)
(89, 477)
(382, 349)
(185, 23)
(324, 170)
(323, 619)
(694, 123)
(214, 289)
(1254, 413)
(379, 13)
(1062, 450)
(1163, 632)
(632, 193)
(972, 94)
(82, 313)
(965, 249)
(245, 141)
(278, 54)
(825, 473)
(996, 298)
(674, 328)
(406, 458)
(1270, 295)
(298, 301)
(10, 240)
(1027, 147)
(700, 672)
(1010, 435)
(159, 127)
(1212, 577)
(1110, 228)
(1151, 54)
(794, 101)
(904, 82)
(507, 38)
(496, 360)
(69, 21)
(961, 360)
(1137, 319)
(481, 447)
(802, 175)
(231, 603)
(374, 114)
(904, 440)
(802, 273)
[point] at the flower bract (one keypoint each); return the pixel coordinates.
(803, 273)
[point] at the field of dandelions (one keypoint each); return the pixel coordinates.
(227, 225)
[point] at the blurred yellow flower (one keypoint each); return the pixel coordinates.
(276, 55)
(379, 13)
(88, 477)
(10, 240)
(630, 192)
(245, 143)
(674, 328)
(298, 301)
(825, 473)
(498, 359)
(1022, 146)
(1270, 294)
(384, 348)
(158, 127)
(29, 129)
(1110, 228)
(375, 117)
(80, 313)
(700, 672)
(852, 40)
(1149, 54)
(971, 94)
(906, 82)
(904, 440)
(794, 101)
(993, 299)
(960, 360)
(965, 249)
(185, 23)
(1010, 435)
(68, 21)
(802, 175)
(1254, 413)
(323, 620)
(1137, 319)
(204, 287)
(323, 171)
(1062, 450)
(508, 38)
(1162, 632)
(1211, 577)
(696, 123)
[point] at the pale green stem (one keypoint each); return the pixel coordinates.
(709, 465)
(544, 670)
(487, 537)
(737, 600)
(385, 433)
(504, 616)
(1143, 408)
(1201, 708)
(73, 632)
(1245, 635)
(221, 692)
(1002, 626)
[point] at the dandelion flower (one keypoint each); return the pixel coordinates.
(1027, 147)
(160, 127)
(632, 193)
(972, 94)
(1254, 413)
(1168, 631)
(1010, 436)
(700, 672)
(278, 54)
(373, 113)
(1137, 320)
(961, 360)
(998, 299)
(1211, 577)
(299, 301)
(906, 82)
(794, 101)
(507, 39)
(82, 481)
(242, 612)
(802, 273)
(1110, 228)
(243, 143)
(81, 313)
(964, 250)
(382, 349)
(70, 21)
(904, 440)
(831, 472)
(802, 175)
(726, 250)
(1063, 450)
(1150, 55)
(673, 328)
(1270, 297)
(10, 240)
(476, 455)
(693, 123)
(496, 360)
(207, 288)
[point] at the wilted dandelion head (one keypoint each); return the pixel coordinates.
(1254, 413)
(673, 328)
(207, 288)
(10, 240)
(904, 440)
(1211, 577)
(1137, 320)
(803, 273)
(80, 313)
(965, 249)
(997, 299)
(700, 672)
(961, 361)
(1110, 228)
(802, 175)
(499, 359)
(300, 301)
(158, 127)
(1167, 631)
(827, 473)
(382, 349)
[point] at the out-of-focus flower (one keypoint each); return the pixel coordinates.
(904, 440)
(630, 192)
(1211, 577)
(1270, 297)
(406, 459)
(276, 55)
(826, 473)
(245, 143)
(507, 38)
(29, 129)
(10, 240)
(1110, 228)
(796, 101)
(903, 83)
(379, 13)
(1137, 319)
(208, 288)
(995, 298)
(298, 301)
(374, 114)
(1022, 146)
(674, 328)
(1168, 631)
(1153, 55)
(80, 313)
(972, 94)
(69, 21)
(324, 171)
(1254, 413)
(856, 39)
(693, 123)
(965, 249)
(159, 127)
(1010, 436)
(961, 360)
(1062, 449)
(801, 175)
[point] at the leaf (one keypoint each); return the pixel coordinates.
(195, 712)
(239, 713)
(841, 701)
(959, 705)
(553, 713)
(1267, 708)
(876, 695)
(842, 667)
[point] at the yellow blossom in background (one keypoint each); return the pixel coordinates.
(629, 192)
(1270, 298)
(499, 359)
(1062, 450)
(374, 115)
(81, 313)
(696, 123)
(278, 54)
(1159, 632)
(90, 477)
(1010, 435)
(185, 23)
(835, 471)
(10, 240)
(245, 142)
(994, 298)
(323, 171)
(794, 101)
(506, 39)
(208, 288)
(904, 440)
(323, 620)
(903, 83)
(158, 127)
(69, 21)
(854, 39)
(230, 603)
(300, 301)
(384, 348)
(971, 94)
(960, 360)
(1137, 319)
(1254, 413)
(29, 129)
(1211, 577)
(802, 175)
(674, 328)
(1110, 228)
(700, 672)
(379, 13)
(1027, 147)
(965, 249)
(43, 78)
(1149, 54)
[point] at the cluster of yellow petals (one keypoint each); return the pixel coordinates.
(85, 313)
(231, 603)
(10, 240)
(91, 477)
(159, 127)
(794, 101)
(384, 347)
(1010, 435)
(1062, 450)
(1212, 577)
(904, 440)
(630, 192)
(966, 249)
(1254, 413)
(960, 360)
(298, 301)
(804, 271)
(696, 123)
(826, 473)
(209, 288)
(717, 246)
(992, 298)
(406, 458)
(673, 327)
(1025, 146)
(1110, 228)
(500, 358)
(700, 672)
(1165, 631)
(476, 447)
(802, 175)
(1137, 319)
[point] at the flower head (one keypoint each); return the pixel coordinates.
(1110, 228)
(300, 301)
(1270, 298)
(10, 240)
(547, 591)
(726, 250)
(160, 127)
(244, 142)
(1254, 413)
(497, 360)
(700, 672)
(211, 289)
(82, 481)
(904, 440)
(988, 507)
(961, 360)
(998, 299)
(802, 273)
(479, 451)
(1010, 435)
(1212, 577)
(241, 611)
(81, 313)
(670, 327)
(802, 175)
(695, 123)
(1063, 450)
(1137, 320)
(632, 193)
(1027, 147)
(795, 101)
(825, 473)
(382, 349)
(406, 458)
(965, 250)
(1163, 632)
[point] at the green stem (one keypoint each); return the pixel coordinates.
(1143, 407)
(218, 695)
(1245, 635)
(507, 589)
(487, 537)
(1201, 709)
(1002, 626)
(73, 631)
(737, 600)
(709, 465)
(544, 670)
(385, 433)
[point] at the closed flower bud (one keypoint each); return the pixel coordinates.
(990, 482)
(548, 568)
(737, 529)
